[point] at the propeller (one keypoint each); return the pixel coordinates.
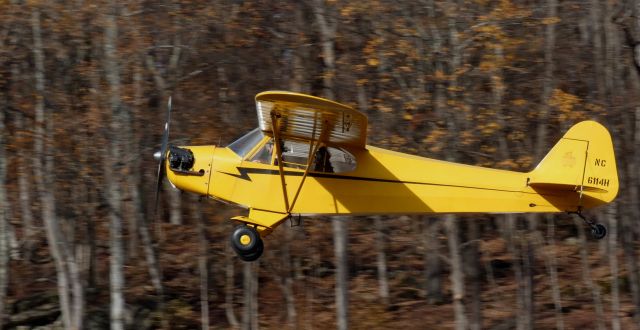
(161, 155)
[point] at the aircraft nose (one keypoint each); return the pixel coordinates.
(157, 156)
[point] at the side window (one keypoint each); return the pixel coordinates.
(334, 160)
(295, 154)
(263, 155)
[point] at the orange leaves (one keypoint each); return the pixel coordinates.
(519, 102)
(507, 10)
(434, 140)
(371, 51)
(551, 20)
(372, 61)
(566, 104)
(488, 128)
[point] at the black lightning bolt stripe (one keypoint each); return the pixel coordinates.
(245, 171)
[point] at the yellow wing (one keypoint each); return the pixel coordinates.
(308, 117)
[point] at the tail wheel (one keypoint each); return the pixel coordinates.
(246, 242)
(598, 231)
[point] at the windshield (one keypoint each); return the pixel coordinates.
(244, 144)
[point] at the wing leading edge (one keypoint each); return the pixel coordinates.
(308, 117)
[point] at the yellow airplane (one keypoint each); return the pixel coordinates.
(309, 157)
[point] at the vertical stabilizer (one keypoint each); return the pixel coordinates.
(583, 160)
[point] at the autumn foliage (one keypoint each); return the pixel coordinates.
(83, 88)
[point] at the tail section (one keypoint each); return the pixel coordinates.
(583, 160)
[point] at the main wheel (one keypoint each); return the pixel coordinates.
(246, 242)
(599, 231)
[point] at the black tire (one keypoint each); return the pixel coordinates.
(253, 256)
(246, 242)
(598, 231)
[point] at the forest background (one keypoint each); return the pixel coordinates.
(83, 88)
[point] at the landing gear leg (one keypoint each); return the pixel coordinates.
(246, 242)
(598, 230)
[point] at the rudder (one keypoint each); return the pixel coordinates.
(583, 160)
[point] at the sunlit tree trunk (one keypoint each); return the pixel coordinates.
(113, 170)
(203, 262)
(342, 273)
(327, 26)
(381, 257)
(457, 275)
(24, 182)
(4, 212)
(229, 287)
(141, 223)
(69, 287)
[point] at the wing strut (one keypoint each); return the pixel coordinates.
(314, 145)
(313, 148)
(276, 136)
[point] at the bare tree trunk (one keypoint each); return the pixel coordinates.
(250, 288)
(383, 281)
(4, 211)
(327, 25)
(613, 265)
(255, 316)
(432, 262)
(66, 268)
(247, 280)
(631, 264)
(287, 279)
(457, 276)
(548, 82)
(472, 266)
(342, 272)
(113, 170)
(203, 264)
(527, 256)
(598, 54)
(628, 231)
(552, 269)
(586, 277)
(24, 186)
(164, 84)
(229, 288)
(510, 236)
(132, 206)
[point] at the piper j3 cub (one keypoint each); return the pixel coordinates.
(309, 157)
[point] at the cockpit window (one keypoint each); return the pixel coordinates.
(243, 145)
(295, 154)
(263, 155)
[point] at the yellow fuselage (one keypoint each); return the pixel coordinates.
(384, 182)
